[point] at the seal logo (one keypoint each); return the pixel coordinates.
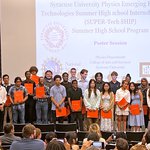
(52, 64)
(54, 36)
(144, 68)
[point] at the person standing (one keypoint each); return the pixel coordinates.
(30, 115)
(3, 98)
(65, 81)
(49, 82)
(74, 95)
(128, 79)
(99, 80)
(144, 87)
(67, 85)
(122, 107)
(48, 79)
(136, 120)
(8, 104)
(114, 84)
(58, 95)
(41, 96)
(34, 70)
(73, 72)
(18, 95)
(107, 105)
(91, 102)
(83, 82)
(148, 101)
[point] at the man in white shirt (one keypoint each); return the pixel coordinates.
(3, 97)
(8, 104)
(83, 82)
(73, 72)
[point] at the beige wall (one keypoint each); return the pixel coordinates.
(18, 36)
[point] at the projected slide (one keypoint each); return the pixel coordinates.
(99, 35)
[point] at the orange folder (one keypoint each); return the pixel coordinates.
(18, 96)
(134, 109)
(107, 115)
(92, 114)
(62, 112)
(29, 87)
(123, 103)
(35, 78)
(145, 109)
(76, 105)
(40, 92)
(8, 102)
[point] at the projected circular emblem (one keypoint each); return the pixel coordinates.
(52, 64)
(54, 36)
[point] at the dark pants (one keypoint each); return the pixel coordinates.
(146, 119)
(30, 113)
(54, 118)
(1, 120)
(49, 109)
(77, 116)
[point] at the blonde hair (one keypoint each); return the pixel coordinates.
(95, 128)
(38, 133)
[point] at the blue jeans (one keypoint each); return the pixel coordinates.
(19, 111)
(41, 112)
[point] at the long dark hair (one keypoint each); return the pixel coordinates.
(143, 88)
(70, 136)
(135, 90)
(89, 89)
(103, 90)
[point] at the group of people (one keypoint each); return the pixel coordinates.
(48, 99)
(93, 140)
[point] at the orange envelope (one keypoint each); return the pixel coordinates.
(8, 102)
(107, 115)
(92, 114)
(134, 109)
(76, 105)
(18, 96)
(40, 92)
(122, 103)
(145, 109)
(62, 112)
(35, 78)
(29, 87)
